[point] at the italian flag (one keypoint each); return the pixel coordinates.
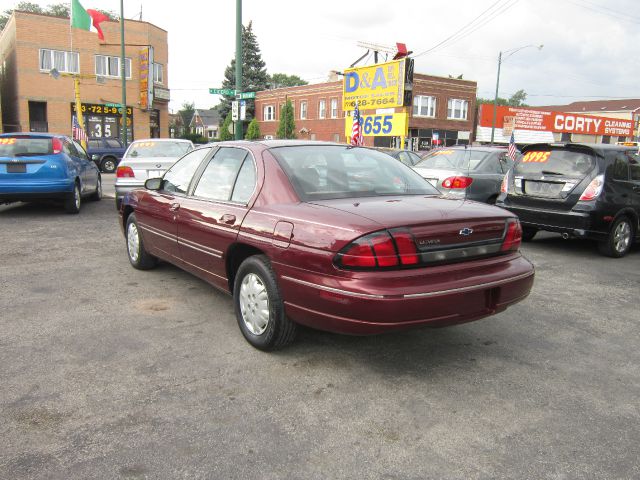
(88, 20)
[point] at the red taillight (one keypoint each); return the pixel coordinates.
(457, 182)
(381, 249)
(594, 189)
(56, 143)
(125, 172)
(513, 238)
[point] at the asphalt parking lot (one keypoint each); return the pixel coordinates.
(110, 372)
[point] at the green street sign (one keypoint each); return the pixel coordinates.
(222, 91)
(245, 95)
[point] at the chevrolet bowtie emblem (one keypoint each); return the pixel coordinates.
(466, 231)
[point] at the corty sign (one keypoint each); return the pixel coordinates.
(374, 86)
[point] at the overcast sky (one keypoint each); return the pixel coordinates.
(590, 46)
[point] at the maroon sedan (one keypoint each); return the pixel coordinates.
(338, 238)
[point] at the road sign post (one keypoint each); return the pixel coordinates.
(235, 110)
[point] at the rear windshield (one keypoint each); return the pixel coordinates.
(564, 163)
(453, 159)
(323, 172)
(158, 149)
(24, 146)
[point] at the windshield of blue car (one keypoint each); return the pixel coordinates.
(158, 149)
(323, 172)
(453, 159)
(25, 146)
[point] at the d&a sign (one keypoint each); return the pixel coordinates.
(374, 86)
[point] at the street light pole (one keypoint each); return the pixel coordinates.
(495, 99)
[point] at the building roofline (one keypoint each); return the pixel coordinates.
(126, 20)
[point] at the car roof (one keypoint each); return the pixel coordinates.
(477, 148)
(34, 135)
(598, 147)
(182, 140)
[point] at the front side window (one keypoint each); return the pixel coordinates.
(178, 177)
(322, 109)
(457, 109)
(110, 66)
(218, 179)
(334, 108)
(424, 106)
(65, 62)
(303, 110)
(268, 113)
(158, 73)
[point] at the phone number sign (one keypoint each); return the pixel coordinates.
(374, 86)
(380, 125)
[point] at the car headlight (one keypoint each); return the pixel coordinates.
(95, 157)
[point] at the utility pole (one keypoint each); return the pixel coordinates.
(123, 75)
(238, 63)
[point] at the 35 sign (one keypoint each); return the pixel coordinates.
(380, 125)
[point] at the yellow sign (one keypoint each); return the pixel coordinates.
(374, 86)
(380, 125)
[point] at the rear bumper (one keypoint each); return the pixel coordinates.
(361, 307)
(577, 224)
(49, 189)
(122, 190)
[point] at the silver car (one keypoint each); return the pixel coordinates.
(474, 173)
(146, 159)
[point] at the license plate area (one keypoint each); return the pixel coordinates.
(16, 168)
(543, 189)
(155, 173)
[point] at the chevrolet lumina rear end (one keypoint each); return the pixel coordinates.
(558, 188)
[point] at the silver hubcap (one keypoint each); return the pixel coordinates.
(133, 242)
(109, 166)
(254, 304)
(622, 237)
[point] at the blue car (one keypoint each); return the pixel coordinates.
(40, 166)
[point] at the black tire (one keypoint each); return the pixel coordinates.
(138, 255)
(492, 200)
(73, 202)
(97, 195)
(108, 164)
(620, 238)
(255, 286)
(528, 233)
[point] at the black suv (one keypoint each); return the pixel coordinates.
(106, 152)
(578, 190)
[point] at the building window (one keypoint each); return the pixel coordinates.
(158, 73)
(457, 109)
(110, 66)
(65, 62)
(322, 109)
(334, 108)
(269, 113)
(424, 106)
(303, 110)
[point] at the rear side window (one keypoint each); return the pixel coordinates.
(564, 163)
(619, 169)
(634, 166)
(24, 146)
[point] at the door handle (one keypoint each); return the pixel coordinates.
(228, 218)
(174, 207)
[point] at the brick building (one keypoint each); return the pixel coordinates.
(442, 113)
(34, 47)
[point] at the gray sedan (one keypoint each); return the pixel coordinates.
(474, 173)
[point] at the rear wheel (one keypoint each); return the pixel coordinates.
(259, 307)
(619, 240)
(138, 256)
(73, 202)
(528, 233)
(108, 165)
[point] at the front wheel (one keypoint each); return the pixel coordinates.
(259, 307)
(138, 256)
(619, 240)
(108, 165)
(73, 202)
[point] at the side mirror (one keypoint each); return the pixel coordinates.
(153, 183)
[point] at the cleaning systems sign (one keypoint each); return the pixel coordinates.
(374, 86)
(542, 120)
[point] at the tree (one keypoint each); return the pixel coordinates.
(254, 73)
(287, 126)
(515, 100)
(253, 132)
(224, 129)
(279, 80)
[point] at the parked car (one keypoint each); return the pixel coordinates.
(473, 173)
(39, 166)
(106, 153)
(583, 191)
(296, 234)
(147, 159)
(407, 157)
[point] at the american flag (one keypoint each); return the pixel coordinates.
(78, 133)
(356, 129)
(511, 151)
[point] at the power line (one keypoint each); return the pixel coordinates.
(594, 7)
